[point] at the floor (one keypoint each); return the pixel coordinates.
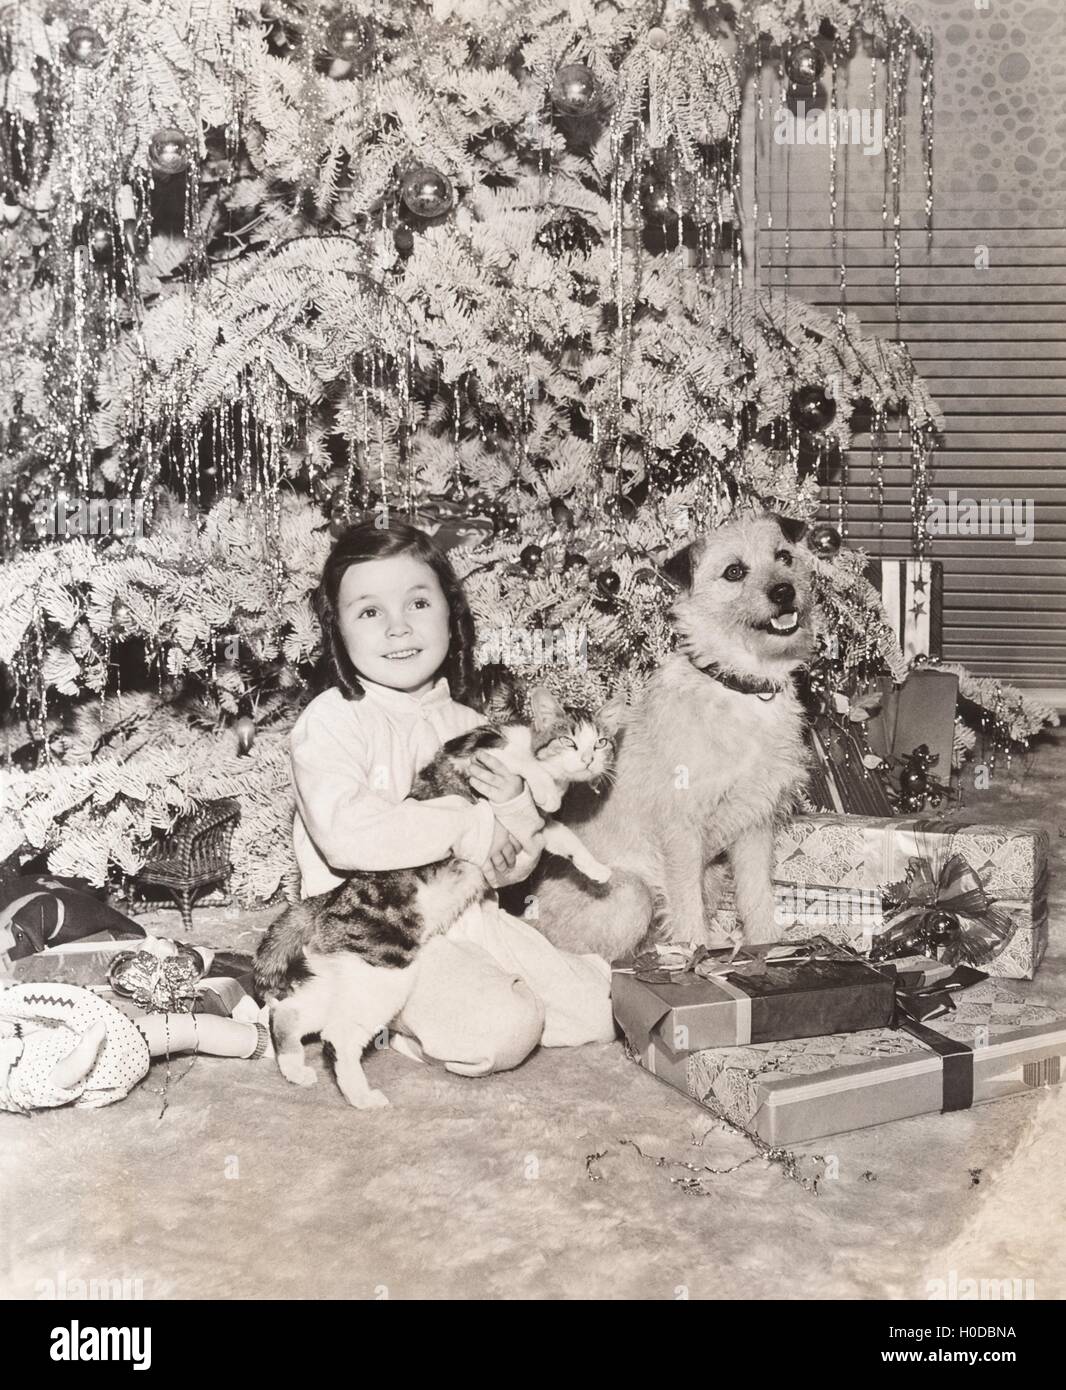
(575, 1176)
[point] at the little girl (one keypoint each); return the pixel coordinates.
(398, 642)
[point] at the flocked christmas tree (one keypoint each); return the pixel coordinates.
(273, 267)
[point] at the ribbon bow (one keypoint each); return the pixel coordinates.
(948, 910)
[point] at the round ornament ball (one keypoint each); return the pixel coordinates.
(169, 151)
(805, 65)
(608, 583)
(10, 210)
(426, 192)
(812, 410)
(656, 197)
(404, 241)
(245, 731)
(562, 516)
(825, 541)
(913, 781)
(531, 556)
(85, 46)
(658, 38)
(350, 38)
(940, 926)
(339, 522)
(575, 91)
(101, 245)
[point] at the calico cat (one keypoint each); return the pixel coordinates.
(340, 964)
(553, 752)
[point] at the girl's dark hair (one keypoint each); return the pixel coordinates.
(367, 541)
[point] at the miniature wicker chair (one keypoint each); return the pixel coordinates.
(194, 855)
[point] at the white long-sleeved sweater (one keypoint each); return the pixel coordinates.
(353, 763)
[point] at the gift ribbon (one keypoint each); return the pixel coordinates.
(956, 1068)
(958, 889)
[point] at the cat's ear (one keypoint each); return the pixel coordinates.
(611, 715)
(545, 708)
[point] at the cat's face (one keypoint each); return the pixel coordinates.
(574, 748)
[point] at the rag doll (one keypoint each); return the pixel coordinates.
(339, 964)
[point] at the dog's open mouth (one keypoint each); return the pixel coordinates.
(784, 625)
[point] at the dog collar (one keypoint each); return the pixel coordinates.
(744, 685)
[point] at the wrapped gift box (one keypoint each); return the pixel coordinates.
(766, 992)
(829, 872)
(993, 1044)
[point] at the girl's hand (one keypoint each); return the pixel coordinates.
(492, 780)
(503, 851)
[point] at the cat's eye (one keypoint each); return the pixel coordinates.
(603, 743)
(734, 573)
(785, 557)
(566, 743)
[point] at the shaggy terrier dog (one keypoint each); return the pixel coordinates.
(710, 759)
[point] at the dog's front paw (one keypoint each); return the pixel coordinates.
(594, 870)
(371, 1100)
(297, 1073)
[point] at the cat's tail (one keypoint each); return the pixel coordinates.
(280, 961)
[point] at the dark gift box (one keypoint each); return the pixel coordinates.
(765, 993)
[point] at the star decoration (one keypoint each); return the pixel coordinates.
(919, 583)
(917, 610)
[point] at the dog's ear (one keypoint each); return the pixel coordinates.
(681, 568)
(792, 529)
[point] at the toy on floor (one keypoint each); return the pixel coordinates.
(61, 1045)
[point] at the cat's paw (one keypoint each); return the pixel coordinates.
(594, 870)
(370, 1100)
(297, 1073)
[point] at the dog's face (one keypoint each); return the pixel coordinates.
(745, 597)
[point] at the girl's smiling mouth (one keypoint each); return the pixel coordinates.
(404, 654)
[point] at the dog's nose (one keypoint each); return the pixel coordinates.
(784, 595)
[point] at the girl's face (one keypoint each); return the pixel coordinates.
(394, 622)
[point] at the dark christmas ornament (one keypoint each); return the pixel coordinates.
(404, 240)
(531, 556)
(85, 46)
(805, 65)
(339, 522)
(351, 39)
(825, 541)
(10, 209)
(913, 780)
(657, 196)
(608, 583)
(283, 40)
(572, 560)
(101, 244)
(169, 151)
(940, 927)
(566, 234)
(245, 731)
(562, 516)
(575, 91)
(426, 192)
(812, 410)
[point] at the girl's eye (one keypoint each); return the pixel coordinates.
(420, 603)
(785, 556)
(734, 573)
(368, 613)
